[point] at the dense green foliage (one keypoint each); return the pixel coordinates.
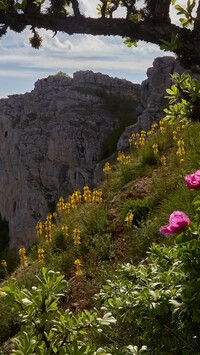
(184, 99)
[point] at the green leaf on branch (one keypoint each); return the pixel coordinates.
(129, 42)
(173, 45)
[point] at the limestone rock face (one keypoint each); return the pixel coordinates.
(152, 101)
(50, 144)
(153, 90)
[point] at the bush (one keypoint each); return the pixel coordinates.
(103, 247)
(139, 208)
(46, 329)
(95, 221)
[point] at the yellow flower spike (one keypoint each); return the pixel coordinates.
(41, 255)
(180, 143)
(97, 196)
(182, 161)
(174, 135)
(22, 256)
(179, 152)
(162, 123)
(60, 204)
(163, 160)
(162, 129)
(67, 207)
(106, 168)
(78, 265)
(128, 159)
(142, 141)
(120, 157)
(4, 264)
(77, 262)
(87, 196)
(39, 229)
(64, 229)
(77, 238)
(155, 148)
(129, 218)
(181, 149)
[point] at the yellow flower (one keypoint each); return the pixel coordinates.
(120, 157)
(67, 207)
(87, 196)
(22, 256)
(78, 265)
(4, 264)
(97, 196)
(64, 229)
(41, 255)
(175, 135)
(60, 205)
(129, 218)
(77, 238)
(155, 148)
(106, 168)
(163, 160)
(181, 149)
(39, 229)
(75, 199)
(123, 159)
(132, 138)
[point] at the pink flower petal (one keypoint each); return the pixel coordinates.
(193, 181)
(178, 221)
(166, 231)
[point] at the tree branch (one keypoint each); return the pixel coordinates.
(158, 10)
(154, 26)
(197, 20)
(75, 6)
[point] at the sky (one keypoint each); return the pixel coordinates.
(21, 65)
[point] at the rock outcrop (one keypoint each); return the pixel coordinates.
(152, 97)
(153, 91)
(50, 144)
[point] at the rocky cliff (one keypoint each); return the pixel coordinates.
(50, 143)
(152, 97)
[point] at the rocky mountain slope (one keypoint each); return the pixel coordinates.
(54, 138)
(51, 141)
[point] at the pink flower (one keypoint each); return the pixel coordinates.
(177, 222)
(193, 181)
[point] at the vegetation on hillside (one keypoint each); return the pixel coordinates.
(132, 277)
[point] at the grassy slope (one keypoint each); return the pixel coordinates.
(144, 186)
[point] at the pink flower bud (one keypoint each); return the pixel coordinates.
(193, 181)
(178, 221)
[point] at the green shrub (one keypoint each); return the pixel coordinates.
(47, 329)
(103, 247)
(139, 208)
(95, 221)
